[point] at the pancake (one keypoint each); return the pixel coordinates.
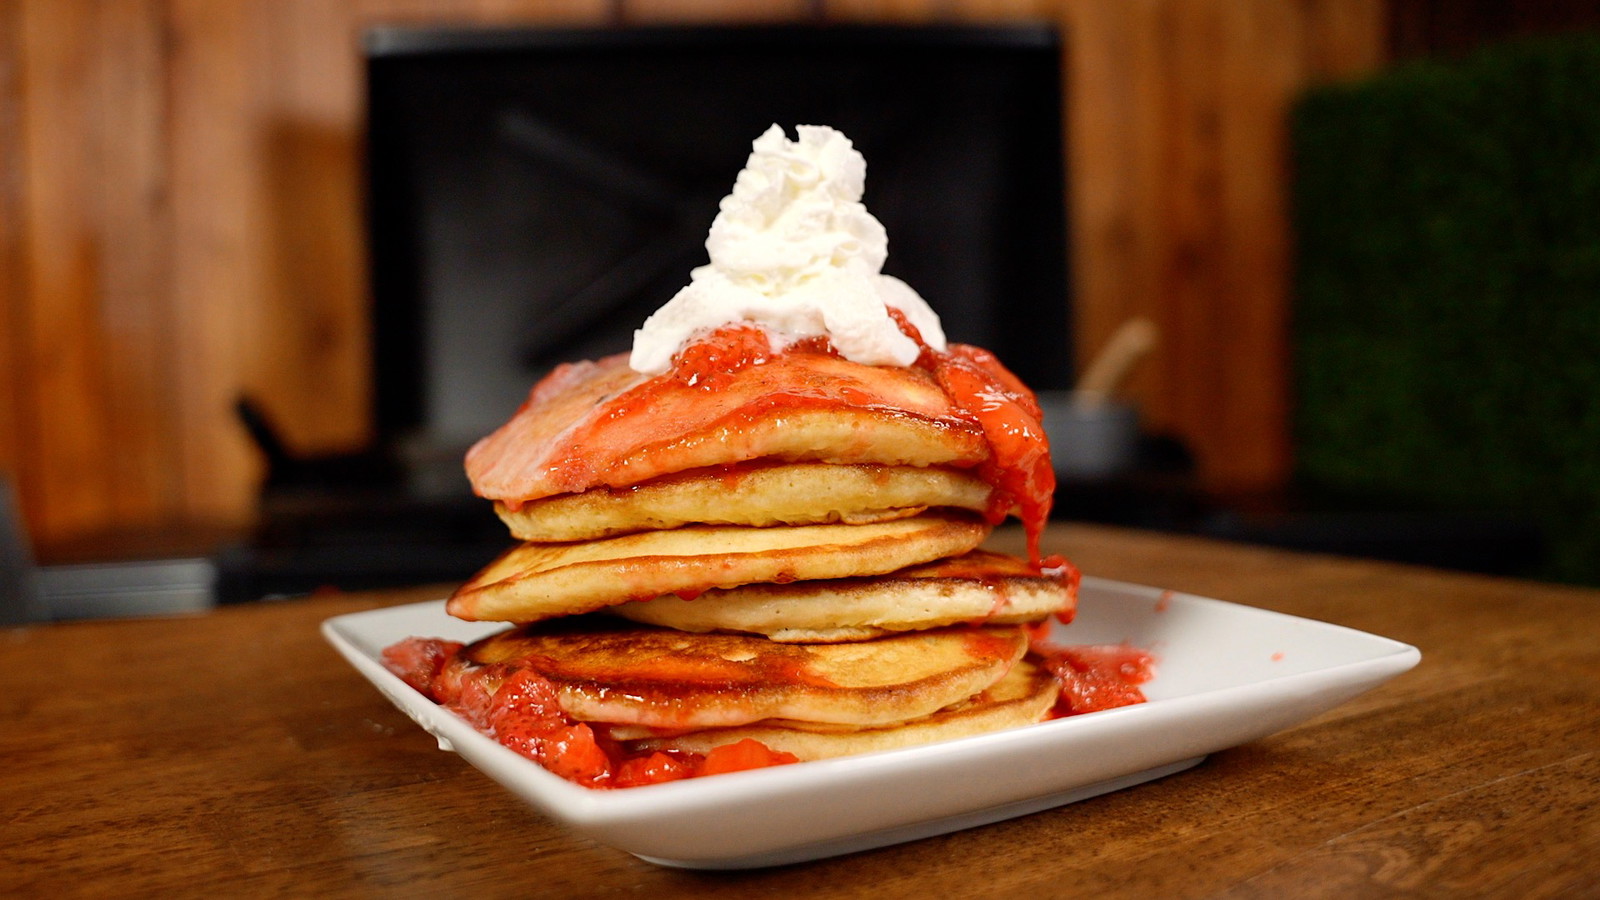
(624, 674)
(761, 496)
(533, 582)
(600, 424)
(979, 587)
(1023, 697)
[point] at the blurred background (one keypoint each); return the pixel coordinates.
(191, 337)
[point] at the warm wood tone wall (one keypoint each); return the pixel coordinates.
(179, 221)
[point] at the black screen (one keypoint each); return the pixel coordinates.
(535, 194)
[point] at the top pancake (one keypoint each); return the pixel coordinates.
(594, 424)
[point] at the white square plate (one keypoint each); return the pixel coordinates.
(1226, 674)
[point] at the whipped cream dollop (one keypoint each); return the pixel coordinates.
(794, 251)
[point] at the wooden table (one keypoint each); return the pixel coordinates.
(235, 754)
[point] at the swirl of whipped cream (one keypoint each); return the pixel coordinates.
(794, 251)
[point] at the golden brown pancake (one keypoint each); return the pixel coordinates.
(625, 674)
(600, 424)
(541, 581)
(793, 494)
(977, 587)
(1024, 696)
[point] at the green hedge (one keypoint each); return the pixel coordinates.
(1447, 313)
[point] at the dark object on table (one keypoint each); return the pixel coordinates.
(353, 521)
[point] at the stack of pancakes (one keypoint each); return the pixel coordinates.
(791, 556)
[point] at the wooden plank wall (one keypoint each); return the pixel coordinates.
(180, 221)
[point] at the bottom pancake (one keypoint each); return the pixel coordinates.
(978, 587)
(604, 671)
(1023, 697)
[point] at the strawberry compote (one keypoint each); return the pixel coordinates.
(521, 710)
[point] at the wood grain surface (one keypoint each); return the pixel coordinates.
(235, 754)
